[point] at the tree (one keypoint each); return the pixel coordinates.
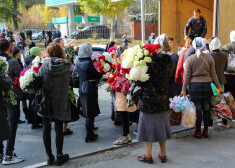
(9, 12)
(107, 9)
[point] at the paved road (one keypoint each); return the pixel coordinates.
(29, 142)
(183, 151)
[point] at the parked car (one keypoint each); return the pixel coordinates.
(39, 36)
(92, 32)
(98, 48)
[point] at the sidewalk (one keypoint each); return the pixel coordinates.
(183, 151)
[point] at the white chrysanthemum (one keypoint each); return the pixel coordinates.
(144, 68)
(140, 55)
(135, 74)
(27, 78)
(106, 67)
(144, 77)
(36, 61)
(146, 52)
(108, 57)
(126, 63)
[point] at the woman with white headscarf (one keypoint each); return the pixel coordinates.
(199, 73)
(221, 62)
(88, 89)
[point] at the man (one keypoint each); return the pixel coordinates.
(22, 35)
(21, 45)
(13, 111)
(48, 41)
(49, 33)
(54, 34)
(10, 34)
(58, 34)
(197, 24)
(125, 41)
(43, 33)
(29, 34)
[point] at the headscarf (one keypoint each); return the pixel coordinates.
(162, 40)
(232, 36)
(85, 51)
(215, 44)
(198, 45)
(109, 45)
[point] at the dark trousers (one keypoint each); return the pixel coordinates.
(206, 119)
(13, 116)
(125, 122)
(47, 136)
(89, 125)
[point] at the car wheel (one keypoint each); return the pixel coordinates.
(40, 38)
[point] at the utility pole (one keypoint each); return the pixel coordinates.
(142, 21)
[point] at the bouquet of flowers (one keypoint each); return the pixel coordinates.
(72, 96)
(138, 59)
(118, 81)
(28, 79)
(9, 96)
(36, 64)
(70, 52)
(103, 63)
(3, 65)
(95, 56)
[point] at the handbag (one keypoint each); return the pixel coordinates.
(40, 103)
(133, 95)
(74, 111)
(76, 81)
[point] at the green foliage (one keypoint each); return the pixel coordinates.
(10, 97)
(105, 7)
(8, 14)
(29, 3)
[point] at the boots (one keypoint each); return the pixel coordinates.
(91, 136)
(63, 158)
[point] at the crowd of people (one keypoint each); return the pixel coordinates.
(199, 63)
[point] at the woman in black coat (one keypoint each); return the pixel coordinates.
(88, 88)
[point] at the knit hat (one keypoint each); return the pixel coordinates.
(198, 45)
(232, 36)
(35, 51)
(215, 44)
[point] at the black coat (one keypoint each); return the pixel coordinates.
(88, 76)
(28, 61)
(47, 42)
(13, 71)
(198, 27)
(5, 85)
(22, 36)
(154, 96)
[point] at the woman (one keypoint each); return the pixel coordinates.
(199, 73)
(56, 78)
(221, 62)
(88, 89)
(154, 124)
(109, 45)
(180, 69)
(16, 52)
(5, 85)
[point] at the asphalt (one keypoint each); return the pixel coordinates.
(29, 143)
(183, 151)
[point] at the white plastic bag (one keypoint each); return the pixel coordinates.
(188, 115)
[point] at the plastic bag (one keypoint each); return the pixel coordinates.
(178, 104)
(174, 117)
(188, 115)
(220, 106)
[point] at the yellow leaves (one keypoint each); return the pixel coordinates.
(107, 151)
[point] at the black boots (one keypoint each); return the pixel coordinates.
(51, 159)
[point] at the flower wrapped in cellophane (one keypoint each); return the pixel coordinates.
(103, 63)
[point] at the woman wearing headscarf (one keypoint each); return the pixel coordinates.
(154, 124)
(88, 89)
(109, 45)
(221, 62)
(199, 73)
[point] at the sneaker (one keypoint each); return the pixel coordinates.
(61, 159)
(121, 141)
(12, 159)
(135, 132)
(129, 138)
